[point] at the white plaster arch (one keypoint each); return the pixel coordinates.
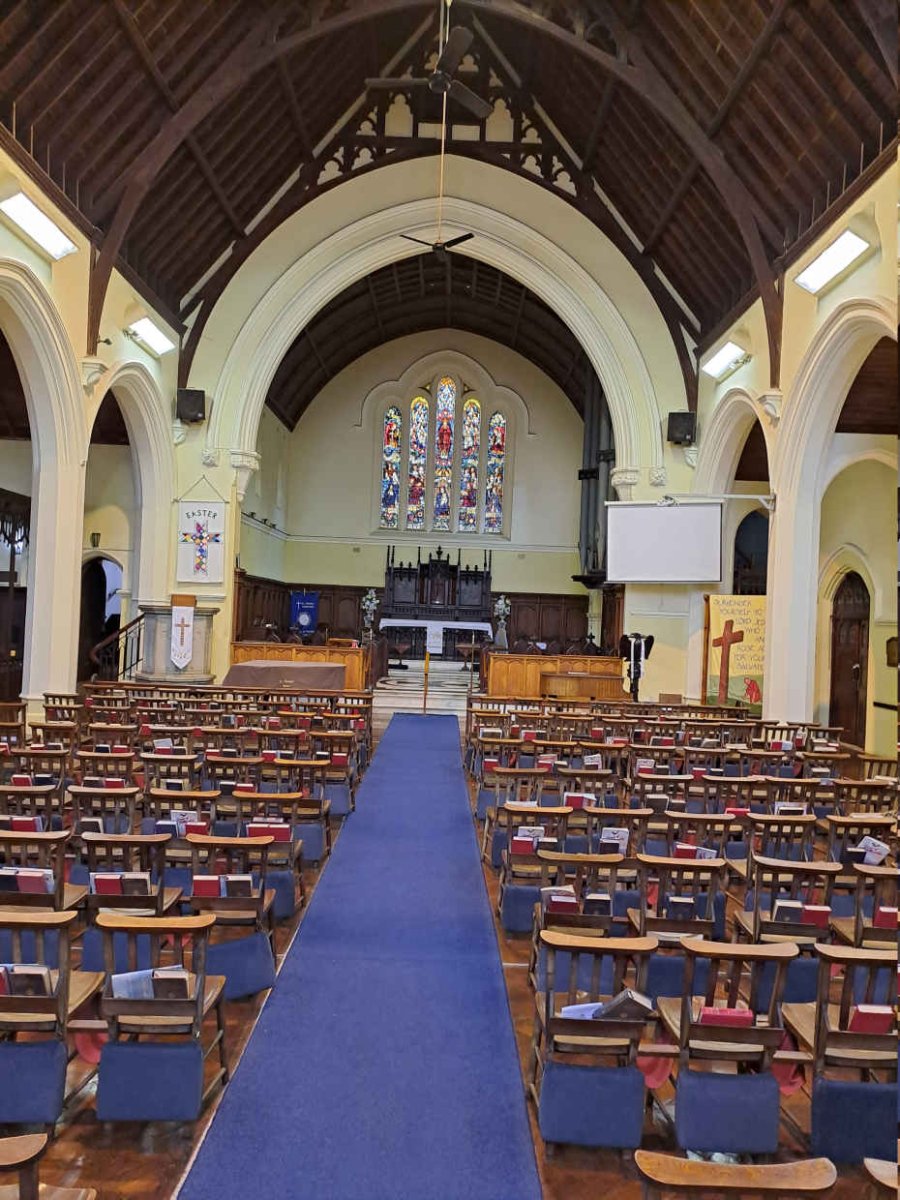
(844, 559)
(831, 363)
(47, 365)
(153, 468)
(798, 472)
(850, 455)
(722, 441)
(56, 412)
(365, 245)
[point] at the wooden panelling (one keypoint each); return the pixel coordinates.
(353, 660)
(546, 617)
(521, 674)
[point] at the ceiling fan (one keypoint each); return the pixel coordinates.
(453, 45)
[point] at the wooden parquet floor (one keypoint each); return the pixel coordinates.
(146, 1162)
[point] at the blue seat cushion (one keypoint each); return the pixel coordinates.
(800, 985)
(339, 795)
(592, 1106)
(283, 882)
(150, 1081)
(712, 1112)
(34, 1082)
(562, 966)
(92, 952)
(665, 976)
(484, 802)
(499, 841)
(517, 908)
(246, 963)
(852, 1121)
(312, 835)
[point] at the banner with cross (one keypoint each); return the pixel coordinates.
(182, 646)
(736, 650)
(201, 541)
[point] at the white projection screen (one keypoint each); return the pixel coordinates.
(668, 543)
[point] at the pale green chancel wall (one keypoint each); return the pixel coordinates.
(319, 485)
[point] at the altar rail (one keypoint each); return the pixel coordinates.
(360, 662)
(523, 675)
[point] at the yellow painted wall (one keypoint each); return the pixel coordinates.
(859, 531)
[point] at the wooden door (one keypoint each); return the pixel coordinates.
(849, 658)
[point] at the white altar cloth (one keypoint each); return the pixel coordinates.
(434, 630)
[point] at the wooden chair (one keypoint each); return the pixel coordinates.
(155, 1080)
(877, 796)
(520, 873)
(603, 1106)
(699, 881)
(774, 836)
(45, 852)
(241, 856)
(876, 887)
(32, 800)
(772, 880)
(519, 785)
(105, 765)
(711, 1107)
(12, 722)
(113, 853)
(184, 766)
(34, 1070)
(665, 1175)
(116, 807)
(854, 1091)
(22, 1155)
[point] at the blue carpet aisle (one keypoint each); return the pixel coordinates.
(384, 1065)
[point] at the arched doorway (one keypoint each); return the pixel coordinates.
(849, 658)
(101, 582)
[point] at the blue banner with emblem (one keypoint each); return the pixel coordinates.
(304, 611)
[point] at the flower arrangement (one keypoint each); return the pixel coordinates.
(369, 604)
(502, 608)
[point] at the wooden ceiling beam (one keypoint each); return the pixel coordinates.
(38, 27)
(880, 18)
(760, 47)
(287, 85)
(802, 26)
(149, 62)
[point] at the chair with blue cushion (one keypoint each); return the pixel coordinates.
(248, 961)
(45, 852)
(873, 922)
(666, 1175)
(773, 880)
(152, 1068)
(113, 853)
(601, 1101)
(688, 895)
(844, 833)
(712, 1107)
(508, 785)
(33, 1070)
(854, 1093)
(783, 835)
(520, 869)
(870, 795)
(587, 875)
(114, 806)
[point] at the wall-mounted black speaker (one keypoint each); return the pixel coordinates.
(190, 405)
(682, 428)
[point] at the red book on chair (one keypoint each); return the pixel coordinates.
(738, 1018)
(206, 886)
(522, 845)
(21, 781)
(733, 811)
(339, 760)
(816, 914)
(26, 825)
(107, 884)
(885, 917)
(113, 784)
(201, 827)
(871, 1018)
(684, 850)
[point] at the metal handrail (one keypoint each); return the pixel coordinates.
(120, 654)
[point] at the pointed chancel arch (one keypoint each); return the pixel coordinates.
(374, 241)
(59, 436)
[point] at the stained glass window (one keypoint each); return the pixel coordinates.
(493, 483)
(390, 469)
(445, 416)
(468, 465)
(418, 462)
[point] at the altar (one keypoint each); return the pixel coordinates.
(435, 631)
(293, 665)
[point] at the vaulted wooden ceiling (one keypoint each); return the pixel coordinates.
(710, 139)
(429, 291)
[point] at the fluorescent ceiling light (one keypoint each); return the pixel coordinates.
(39, 227)
(729, 358)
(151, 336)
(834, 259)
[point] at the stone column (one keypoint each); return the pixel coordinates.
(54, 581)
